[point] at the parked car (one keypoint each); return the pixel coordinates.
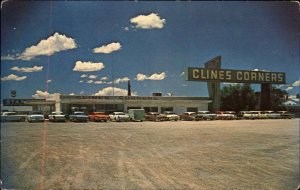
(172, 116)
(98, 116)
(205, 115)
(119, 116)
(246, 115)
(78, 116)
(155, 116)
(12, 116)
(35, 116)
(272, 115)
(187, 116)
(57, 116)
(286, 115)
(136, 114)
(225, 115)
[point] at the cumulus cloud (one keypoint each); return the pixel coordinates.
(49, 46)
(83, 76)
(121, 80)
(104, 78)
(48, 81)
(87, 66)
(155, 76)
(110, 91)
(296, 83)
(27, 69)
(45, 94)
(90, 81)
(13, 77)
(99, 82)
(148, 21)
(109, 48)
(289, 88)
(81, 81)
(92, 76)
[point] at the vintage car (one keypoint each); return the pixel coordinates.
(226, 115)
(57, 116)
(78, 116)
(98, 116)
(35, 116)
(12, 116)
(246, 115)
(171, 116)
(205, 115)
(155, 116)
(272, 115)
(286, 115)
(187, 116)
(119, 116)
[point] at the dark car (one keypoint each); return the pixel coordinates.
(187, 116)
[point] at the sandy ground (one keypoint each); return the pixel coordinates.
(249, 154)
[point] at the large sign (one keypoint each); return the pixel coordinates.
(234, 76)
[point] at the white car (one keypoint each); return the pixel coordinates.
(57, 116)
(35, 116)
(12, 116)
(119, 116)
(172, 116)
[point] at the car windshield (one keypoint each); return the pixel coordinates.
(120, 113)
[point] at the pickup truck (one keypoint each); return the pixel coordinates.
(98, 116)
(57, 116)
(12, 116)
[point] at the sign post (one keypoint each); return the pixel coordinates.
(13, 94)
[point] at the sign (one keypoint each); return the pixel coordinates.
(13, 93)
(234, 76)
(13, 102)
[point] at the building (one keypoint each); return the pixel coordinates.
(108, 104)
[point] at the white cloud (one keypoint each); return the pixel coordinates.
(109, 48)
(296, 83)
(27, 69)
(53, 44)
(289, 88)
(104, 78)
(81, 81)
(121, 80)
(182, 74)
(81, 92)
(87, 66)
(126, 28)
(72, 94)
(148, 21)
(155, 76)
(83, 76)
(90, 81)
(9, 57)
(110, 91)
(48, 81)
(99, 82)
(92, 76)
(13, 77)
(45, 94)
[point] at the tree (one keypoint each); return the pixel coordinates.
(278, 96)
(238, 97)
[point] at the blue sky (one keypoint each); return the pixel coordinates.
(82, 47)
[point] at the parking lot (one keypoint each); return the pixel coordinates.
(230, 154)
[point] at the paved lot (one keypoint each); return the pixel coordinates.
(258, 154)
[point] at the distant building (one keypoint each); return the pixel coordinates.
(292, 105)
